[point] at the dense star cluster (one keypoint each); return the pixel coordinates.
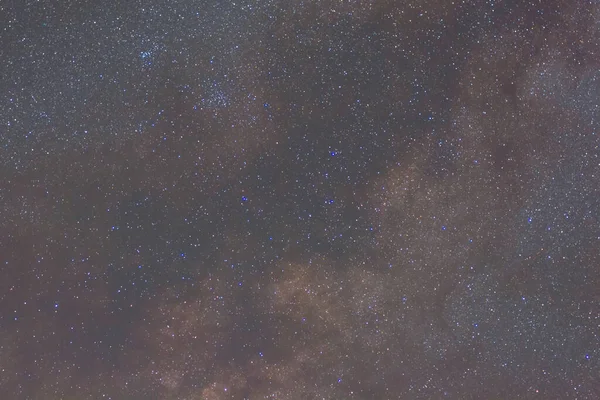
(299, 200)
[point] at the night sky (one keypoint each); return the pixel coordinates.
(299, 200)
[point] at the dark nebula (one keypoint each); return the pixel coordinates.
(299, 200)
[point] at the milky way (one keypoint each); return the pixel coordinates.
(210, 200)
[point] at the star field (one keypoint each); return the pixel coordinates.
(290, 200)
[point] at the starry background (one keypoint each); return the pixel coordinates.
(269, 199)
